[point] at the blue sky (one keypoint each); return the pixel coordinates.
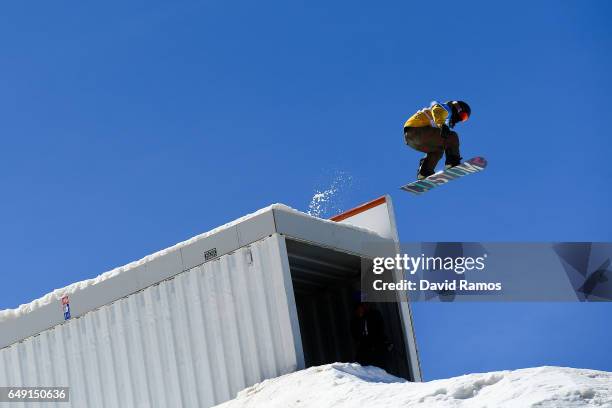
(128, 126)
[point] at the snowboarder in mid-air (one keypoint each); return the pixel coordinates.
(429, 131)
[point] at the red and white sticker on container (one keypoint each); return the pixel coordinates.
(66, 307)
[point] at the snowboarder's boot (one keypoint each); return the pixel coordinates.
(452, 160)
(424, 170)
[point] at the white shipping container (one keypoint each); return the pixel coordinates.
(192, 325)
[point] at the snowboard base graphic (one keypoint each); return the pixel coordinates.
(474, 165)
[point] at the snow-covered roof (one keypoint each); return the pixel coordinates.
(34, 317)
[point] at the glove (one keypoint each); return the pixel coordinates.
(444, 131)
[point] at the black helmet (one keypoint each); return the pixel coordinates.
(461, 111)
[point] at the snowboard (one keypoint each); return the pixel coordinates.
(442, 177)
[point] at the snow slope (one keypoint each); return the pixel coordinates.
(344, 385)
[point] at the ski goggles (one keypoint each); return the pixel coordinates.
(463, 115)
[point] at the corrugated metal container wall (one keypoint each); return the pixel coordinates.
(191, 341)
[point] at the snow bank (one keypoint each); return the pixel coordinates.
(57, 294)
(344, 385)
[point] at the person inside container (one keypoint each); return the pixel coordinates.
(368, 331)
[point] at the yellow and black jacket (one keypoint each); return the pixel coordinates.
(435, 116)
